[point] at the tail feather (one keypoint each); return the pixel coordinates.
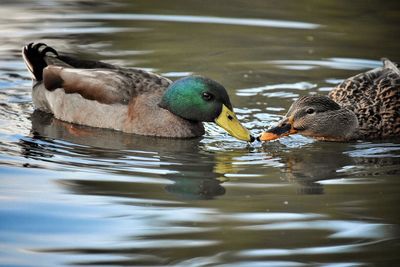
(34, 57)
(390, 65)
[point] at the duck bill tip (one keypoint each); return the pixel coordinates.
(277, 132)
(229, 122)
(267, 136)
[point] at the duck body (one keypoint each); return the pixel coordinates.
(130, 111)
(98, 94)
(374, 98)
(364, 107)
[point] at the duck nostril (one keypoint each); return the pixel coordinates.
(230, 117)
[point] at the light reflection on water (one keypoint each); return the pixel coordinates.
(193, 19)
(333, 63)
(73, 195)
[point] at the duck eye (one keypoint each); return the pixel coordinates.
(207, 96)
(310, 111)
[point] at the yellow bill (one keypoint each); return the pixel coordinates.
(228, 121)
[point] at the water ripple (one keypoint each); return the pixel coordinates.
(381, 150)
(332, 63)
(192, 19)
(351, 248)
(262, 89)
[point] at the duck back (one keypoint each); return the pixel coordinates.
(374, 97)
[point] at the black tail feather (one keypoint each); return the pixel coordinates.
(34, 58)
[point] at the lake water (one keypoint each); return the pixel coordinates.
(77, 196)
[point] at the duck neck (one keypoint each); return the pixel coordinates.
(337, 125)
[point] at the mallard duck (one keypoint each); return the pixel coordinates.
(98, 94)
(364, 107)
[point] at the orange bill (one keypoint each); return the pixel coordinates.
(284, 128)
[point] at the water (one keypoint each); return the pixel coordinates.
(77, 196)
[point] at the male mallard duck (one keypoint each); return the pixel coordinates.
(366, 106)
(102, 95)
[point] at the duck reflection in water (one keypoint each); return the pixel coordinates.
(195, 174)
(310, 164)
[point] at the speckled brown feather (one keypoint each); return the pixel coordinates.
(374, 97)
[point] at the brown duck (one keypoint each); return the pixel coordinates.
(365, 106)
(102, 95)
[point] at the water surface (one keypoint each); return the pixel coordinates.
(77, 196)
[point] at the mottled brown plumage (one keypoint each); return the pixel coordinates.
(374, 97)
(365, 106)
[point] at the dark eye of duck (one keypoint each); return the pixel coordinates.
(310, 111)
(207, 96)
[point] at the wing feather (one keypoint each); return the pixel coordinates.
(106, 86)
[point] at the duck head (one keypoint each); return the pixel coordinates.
(315, 116)
(196, 98)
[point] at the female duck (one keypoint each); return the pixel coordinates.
(102, 95)
(366, 106)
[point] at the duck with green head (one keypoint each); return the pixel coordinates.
(365, 106)
(102, 95)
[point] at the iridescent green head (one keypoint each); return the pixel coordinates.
(196, 98)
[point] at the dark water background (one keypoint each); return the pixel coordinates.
(76, 196)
